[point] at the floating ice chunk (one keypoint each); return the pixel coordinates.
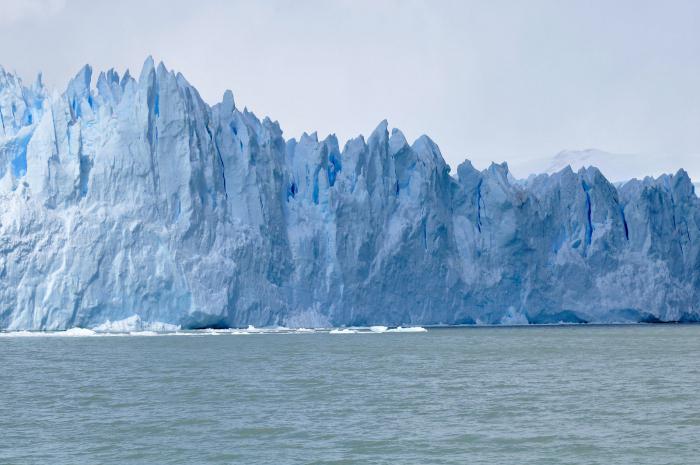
(233, 331)
(125, 325)
(409, 329)
(144, 333)
(378, 329)
(343, 331)
(76, 332)
(72, 332)
(22, 334)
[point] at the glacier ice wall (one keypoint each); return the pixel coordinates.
(131, 198)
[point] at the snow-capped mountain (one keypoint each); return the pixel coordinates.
(616, 167)
(131, 199)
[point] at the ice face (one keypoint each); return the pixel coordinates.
(132, 199)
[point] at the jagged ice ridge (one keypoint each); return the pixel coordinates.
(133, 200)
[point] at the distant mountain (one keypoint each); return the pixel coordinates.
(131, 201)
(615, 166)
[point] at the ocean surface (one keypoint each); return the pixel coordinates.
(517, 395)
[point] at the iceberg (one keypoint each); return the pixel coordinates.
(129, 204)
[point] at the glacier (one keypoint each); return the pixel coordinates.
(130, 199)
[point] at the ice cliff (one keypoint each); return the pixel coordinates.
(131, 199)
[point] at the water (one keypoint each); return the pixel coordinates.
(535, 395)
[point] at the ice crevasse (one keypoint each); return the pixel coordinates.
(131, 199)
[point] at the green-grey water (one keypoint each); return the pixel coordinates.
(533, 395)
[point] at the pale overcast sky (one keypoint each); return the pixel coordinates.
(487, 80)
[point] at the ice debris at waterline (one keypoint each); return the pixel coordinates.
(131, 198)
(84, 332)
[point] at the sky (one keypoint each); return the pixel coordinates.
(487, 80)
